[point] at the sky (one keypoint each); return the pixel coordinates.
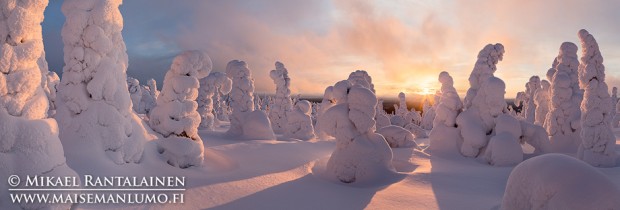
(402, 44)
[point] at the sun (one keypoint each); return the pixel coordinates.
(426, 91)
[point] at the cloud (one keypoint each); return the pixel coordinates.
(402, 44)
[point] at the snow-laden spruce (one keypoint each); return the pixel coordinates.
(282, 102)
(542, 102)
(428, 115)
(614, 101)
(445, 136)
(29, 143)
(175, 116)
(401, 109)
(51, 91)
(245, 122)
(362, 78)
(557, 181)
(361, 155)
(210, 87)
(148, 101)
(563, 120)
(94, 103)
(299, 124)
(529, 106)
(484, 68)
(135, 93)
(478, 121)
(381, 116)
(598, 142)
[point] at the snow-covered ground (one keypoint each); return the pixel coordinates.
(287, 174)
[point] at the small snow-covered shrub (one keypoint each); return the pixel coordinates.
(397, 136)
(557, 181)
(300, 122)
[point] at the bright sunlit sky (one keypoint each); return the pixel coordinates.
(403, 44)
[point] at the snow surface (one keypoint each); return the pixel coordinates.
(598, 142)
(557, 181)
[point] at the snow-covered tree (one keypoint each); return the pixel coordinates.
(417, 131)
(300, 121)
(542, 102)
(401, 109)
(529, 107)
(428, 115)
(484, 68)
(598, 142)
(614, 101)
(563, 120)
(381, 117)
(135, 93)
(175, 116)
(361, 155)
(478, 121)
(557, 181)
(245, 122)
(52, 89)
(397, 136)
(212, 85)
(95, 104)
(445, 135)
(362, 78)
(29, 142)
(282, 101)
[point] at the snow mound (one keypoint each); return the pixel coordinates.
(361, 155)
(300, 121)
(504, 148)
(556, 181)
(397, 136)
(245, 122)
(417, 131)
